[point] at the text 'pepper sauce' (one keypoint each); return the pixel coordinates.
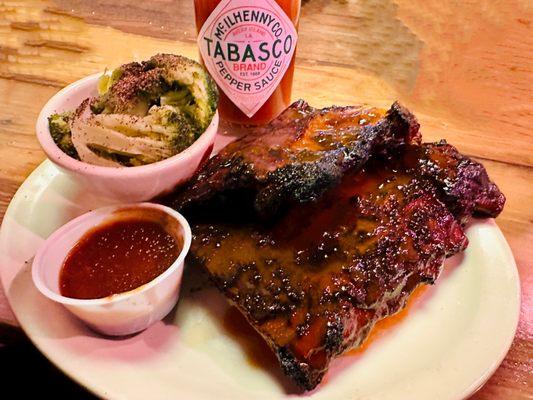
(117, 257)
(248, 47)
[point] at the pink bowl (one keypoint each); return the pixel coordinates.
(124, 184)
(123, 313)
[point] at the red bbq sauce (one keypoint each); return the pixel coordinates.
(116, 257)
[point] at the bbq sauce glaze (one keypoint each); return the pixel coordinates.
(116, 257)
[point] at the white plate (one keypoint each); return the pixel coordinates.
(452, 339)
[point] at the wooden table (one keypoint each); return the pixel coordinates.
(465, 68)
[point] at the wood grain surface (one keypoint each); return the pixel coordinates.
(464, 68)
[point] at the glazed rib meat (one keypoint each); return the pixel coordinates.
(298, 156)
(314, 279)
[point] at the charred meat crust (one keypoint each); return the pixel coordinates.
(304, 376)
(302, 182)
(340, 336)
(310, 150)
(464, 183)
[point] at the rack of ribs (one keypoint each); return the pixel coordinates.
(298, 156)
(315, 277)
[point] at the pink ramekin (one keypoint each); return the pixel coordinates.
(122, 184)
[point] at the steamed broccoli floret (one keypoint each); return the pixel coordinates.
(131, 141)
(180, 132)
(60, 131)
(129, 89)
(126, 160)
(164, 79)
(107, 80)
(192, 88)
(145, 112)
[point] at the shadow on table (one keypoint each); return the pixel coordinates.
(20, 359)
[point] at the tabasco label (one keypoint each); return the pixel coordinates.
(247, 47)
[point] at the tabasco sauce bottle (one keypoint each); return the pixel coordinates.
(249, 47)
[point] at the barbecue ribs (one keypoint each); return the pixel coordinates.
(298, 156)
(315, 279)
